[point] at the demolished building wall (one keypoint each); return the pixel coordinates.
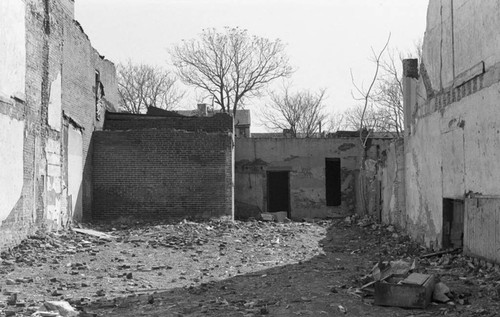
(48, 87)
(304, 164)
(452, 147)
(392, 173)
(163, 168)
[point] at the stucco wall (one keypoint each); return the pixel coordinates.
(11, 160)
(12, 47)
(393, 187)
(305, 160)
(452, 150)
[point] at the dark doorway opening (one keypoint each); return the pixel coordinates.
(278, 192)
(333, 182)
(453, 223)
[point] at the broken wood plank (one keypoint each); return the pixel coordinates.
(94, 233)
(373, 282)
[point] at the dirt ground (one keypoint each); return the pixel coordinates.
(225, 268)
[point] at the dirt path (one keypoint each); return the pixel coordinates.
(231, 269)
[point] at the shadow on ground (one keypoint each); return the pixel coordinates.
(321, 286)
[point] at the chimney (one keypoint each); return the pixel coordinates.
(202, 109)
(410, 77)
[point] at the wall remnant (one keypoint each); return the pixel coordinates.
(453, 146)
(156, 167)
(305, 161)
(47, 67)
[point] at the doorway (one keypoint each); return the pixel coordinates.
(453, 223)
(278, 191)
(333, 182)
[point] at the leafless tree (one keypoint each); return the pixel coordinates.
(336, 121)
(352, 117)
(141, 86)
(300, 112)
(365, 122)
(385, 110)
(230, 66)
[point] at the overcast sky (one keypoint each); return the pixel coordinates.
(325, 38)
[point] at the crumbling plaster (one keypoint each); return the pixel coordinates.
(453, 146)
(305, 160)
(11, 156)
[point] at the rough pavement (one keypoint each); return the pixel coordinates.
(224, 268)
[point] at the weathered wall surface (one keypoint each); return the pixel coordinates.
(12, 47)
(50, 70)
(162, 174)
(11, 156)
(305, 161)
(453, 150)
(392, 173)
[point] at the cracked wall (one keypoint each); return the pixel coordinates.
(452, 150)
(305, 161)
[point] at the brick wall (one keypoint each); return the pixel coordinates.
(58, 54)
(122, 121)
(161, 174)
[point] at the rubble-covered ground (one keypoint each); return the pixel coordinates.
(224, 268)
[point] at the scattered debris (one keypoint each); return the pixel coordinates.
(440, 291)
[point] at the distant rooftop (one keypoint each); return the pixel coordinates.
(242, 117)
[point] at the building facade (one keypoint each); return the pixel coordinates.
(308, 177)
(54, 89)
(452, 147)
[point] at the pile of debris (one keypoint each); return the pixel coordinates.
(416, 277)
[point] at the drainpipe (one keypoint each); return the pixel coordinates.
(233, 145)
(410, 77)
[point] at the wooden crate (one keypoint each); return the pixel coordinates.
(414, 291)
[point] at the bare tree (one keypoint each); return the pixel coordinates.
(141, 86)
(230, 66)
(352, 117)
(365, 95)
(302, 112)
(336, 121)
(385, 110)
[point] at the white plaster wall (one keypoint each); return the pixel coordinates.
(424, 180)
(12, 47)
(54, 112)
(11, 162)
(455, 150)
(476, 33)
(460, 36)
(482, 141)
(75, 171)
(53, 187)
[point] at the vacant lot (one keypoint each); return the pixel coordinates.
(224, 268)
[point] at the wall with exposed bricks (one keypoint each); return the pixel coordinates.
(152, 174)
(54, 89)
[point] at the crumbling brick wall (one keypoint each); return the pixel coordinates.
(59, 91)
